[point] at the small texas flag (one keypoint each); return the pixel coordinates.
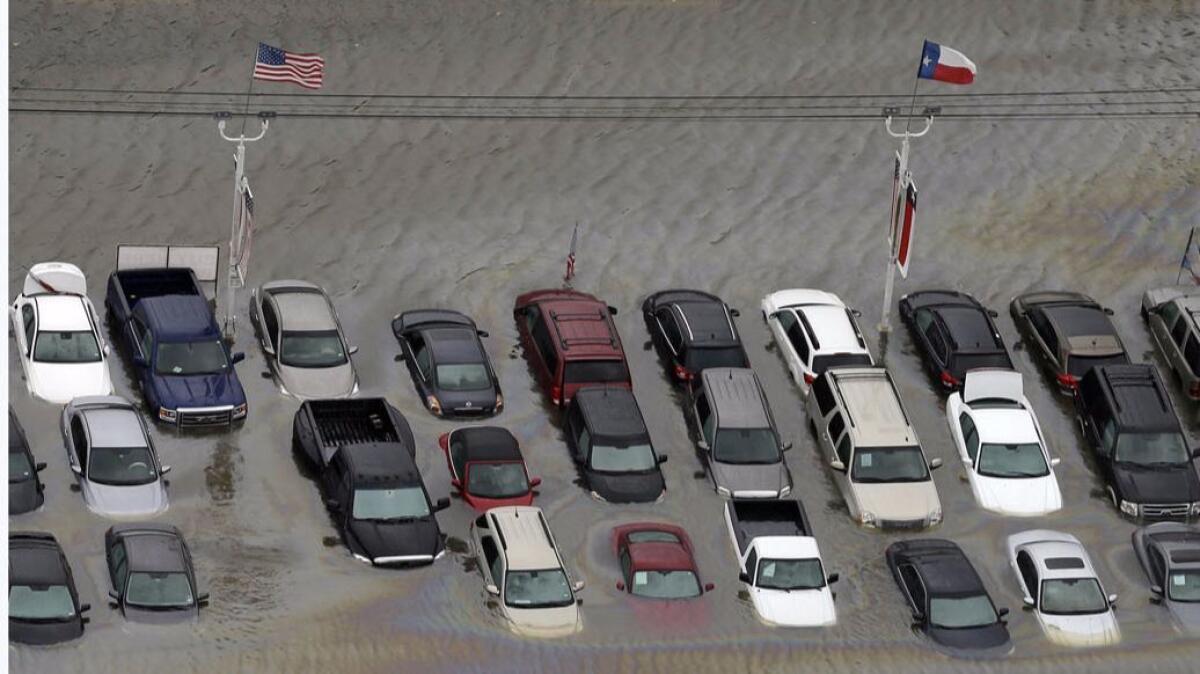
(945, 65)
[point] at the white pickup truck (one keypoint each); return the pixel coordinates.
(780, 562)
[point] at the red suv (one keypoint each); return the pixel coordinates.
(571, 341)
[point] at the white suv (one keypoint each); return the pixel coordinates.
(814, 331)
(522, 566)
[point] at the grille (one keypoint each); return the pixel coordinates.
(206, 417)
(1165, 510)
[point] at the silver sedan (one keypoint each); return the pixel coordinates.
(112, 457)
(303, 340)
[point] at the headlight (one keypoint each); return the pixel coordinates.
(936, 516)
(434, 405)
(722, 491)
(785, 491)
(361, 558)
(867, 518)
(499, 402)
(1195, 509)
(598, 497)
(239, 412)
(1130, 509)
(167, 415)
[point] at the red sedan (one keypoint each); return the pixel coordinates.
(657, 562)
(486, 467)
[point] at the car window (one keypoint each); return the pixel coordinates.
(799, 337)
(270, 322)
(936, 342)
(119, 565)
(836, 426)
(421, 355)
(1108, 436)
(1028, 574)
(912, 583)
(584, 442)
(1169, 313)
(824, 394)
(707, 420)
(1179, 330)
(670, 329)
(79, 440)
(970, 435)
(1157, 564)
(458, 456)
(843, 450)
(145, 339)
(1191, 353)
(28, 317)
(1042, 325)
(545, 345)
(923, 318)
(492, 556)
(626, 565)
(752, 563)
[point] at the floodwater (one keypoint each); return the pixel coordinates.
(391, 215)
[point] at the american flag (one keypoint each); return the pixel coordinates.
(571, 255)
(245, 226)
(276, 65)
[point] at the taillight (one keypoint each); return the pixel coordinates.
(682, 373)
(809, 379)
(442, 440)
(1194, 389)
(1068, 381)
(555, 394)
(948, 379)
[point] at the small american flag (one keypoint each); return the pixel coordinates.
(276, 65)
(246, 226)
(571, 255)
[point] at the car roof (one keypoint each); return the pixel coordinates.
(1077, 320)
(61, 312)
(610, 412)
(1060, 559)
(943, 567)
(799, 296)
(35, 559)
(524, 534)
(380, 462)
(872, 402)
(660, 556)
(303, 309)
(832, 328)
(154, 550)
(735, 397)
(179, 317)
(453, 344)
(939, 298)
(1004, 425)
(488, 443)
(114, 427)
(584, 329)
(1138, 397)
(969, 328)
(706, 322)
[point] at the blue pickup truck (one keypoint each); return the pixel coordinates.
(167, 328)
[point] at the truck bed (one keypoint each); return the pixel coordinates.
(754, 518)
(137, 284)
(345, 422)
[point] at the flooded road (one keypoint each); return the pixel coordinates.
(390, 215)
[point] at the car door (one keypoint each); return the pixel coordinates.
(1158, 567)
(927, 332)
(142, 347)
(785, 325)
(914, 590)
(457, 459)
(77, 454)
(836, 443)
(493, 564)
(1045, 337)
(668, 336)
(702, 413)
(626, 566)
(26, 332)
(118, 567)
(1169, 329)
(968, 441)
(420, 363)
(270, 328)
(1028, 574)
(531, 325)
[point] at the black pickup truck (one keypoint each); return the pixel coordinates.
(364, 453)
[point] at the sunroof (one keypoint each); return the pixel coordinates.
(1185, 556)
(1060, 563)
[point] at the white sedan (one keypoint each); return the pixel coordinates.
(1002, 446)
(814, 331)
(1060, 587)
(58, 336)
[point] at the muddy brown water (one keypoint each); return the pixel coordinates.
(395, 215)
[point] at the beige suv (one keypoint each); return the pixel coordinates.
(522, 566)
(872, 447)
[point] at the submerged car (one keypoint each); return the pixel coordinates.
(447, 361)
(657, 562)
(609, 441)
(486, 467)
(1171, 314)
(1001, 445)
(1069, 332)
(815, 331)
(1061, 588)
(303, 340)
(112, 457)
(948, 599)
(57, 335)
(24, 486)
(1169, 554)
(43, 604)
(955, 333)
(693, 330)
(151, 571)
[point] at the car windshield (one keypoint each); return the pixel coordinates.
(184, 358)
(390, 504)
(699, 359)
(121, 466)
(956, 612)
(66, 347)
(159, 590)
(1073, 596)
(19, 469)
(1020, 460)
(1079, 365)
(41, 602)
(463, 377)
(315, 348)
(822, 363)
(595, 371)
(790, 574)
(1151, 448)
(665, 584)
(746, 445)
(537, 589)
(1184, 586)
(497, 480)
(629, 459)
(889, 464)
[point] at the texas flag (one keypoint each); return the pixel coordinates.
(945, 65)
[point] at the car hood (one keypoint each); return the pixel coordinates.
(992, 637)
(44, 633)
(23, 496)
(626, 487)
(199, 390)
(167, 617)
(742, 477)
(483, 504)
(795, 608)
(1143, 485)
(899, 501)
(558, 621)
(61, 382)
(1099, 629)
(125, 501)
(1018, 496)
(1187, 615)
(317, 382)
(395, 539)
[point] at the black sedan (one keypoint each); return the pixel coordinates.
(693, 330)
(151, 571)
(448, 363)
(955, 333)
(609, 442)
(43, 605)
(24, 486)
(1069, 332)
(948, 600)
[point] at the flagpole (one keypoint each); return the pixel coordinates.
(1183, 262)
(249, 89)
(235, 274)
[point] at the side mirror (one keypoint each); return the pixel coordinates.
(492, 589)
(786, 446)
(482, 333)
(456, 483)
(744, 577)
(1108, 311)
(333, 503)
(1196, 453)
(993, 313)
(400, 357)
(78, 470)
(105, 348)
(114, 599)
(84, 608)
(535, 482)
(1055, 461)
(837, 465)
(139, 360)
(832, 578)
(268, 349)
(709, 587)
(1028, 603)
(702, 444)
(40, 466)
(164, 470)
(935, 464)
(735, 313)
(612, 311)
(237, 357)
(1156, 590)
(577, 585)
(856, 312)
(918, 617)
(352, 350)
(1002, 612)
(621, 585)
(202, 599)
(662, 459)
(442, 504)
(1112, 600)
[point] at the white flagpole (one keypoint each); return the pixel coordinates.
(898, 212)
(235, 276)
